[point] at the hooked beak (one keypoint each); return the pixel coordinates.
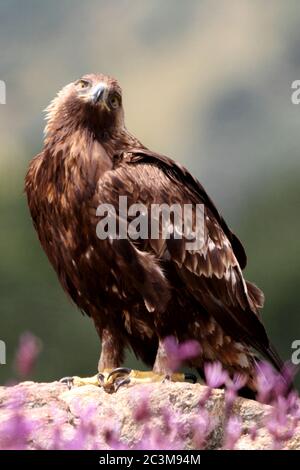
(99, 93)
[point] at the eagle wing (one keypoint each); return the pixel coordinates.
(212, 274)
(179, 174)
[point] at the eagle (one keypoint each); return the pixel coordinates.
(139, 291)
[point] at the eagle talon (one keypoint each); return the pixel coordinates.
(80, 381)
(101, 379)
(166, 378)
(119, 370)
(190, 377)
(122, 382)
(124, 376)
(69, 381)
(116, 378)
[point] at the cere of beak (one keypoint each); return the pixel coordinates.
(98, 93)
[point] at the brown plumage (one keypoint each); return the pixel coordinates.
(137, 292)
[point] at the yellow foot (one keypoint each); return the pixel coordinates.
(80, 381)
(112, 379)
(124, 376)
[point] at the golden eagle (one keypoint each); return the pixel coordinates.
(138, 291)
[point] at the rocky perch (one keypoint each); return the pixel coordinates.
(122, 417)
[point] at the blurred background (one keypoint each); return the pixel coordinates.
(205, 82)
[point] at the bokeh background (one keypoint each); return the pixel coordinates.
(207, 82)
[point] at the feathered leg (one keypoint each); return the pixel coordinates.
(111, 357)
(112, 351)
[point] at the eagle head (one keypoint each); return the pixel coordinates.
(95, 101)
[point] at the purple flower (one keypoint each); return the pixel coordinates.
(233, 431)
(178, 353)
(201, 427)
(266, 381)
(282, 420)
(238, 382)
(27, 353)
(232, 387)
(293, 404)
(168, 436)
(141, 406)
(253, 432)
(112, 438)
(230, 397)
(16, 430)
(271, 384)
(215, 375)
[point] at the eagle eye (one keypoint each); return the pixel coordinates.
(83, 84)
(114, 101)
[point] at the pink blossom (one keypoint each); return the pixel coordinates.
(271, 384)
(253, 432)
(215, 375)
(233, 431)
(202, 427)
(141, 405)
(27, 354)
(232, 387)
(178, 353)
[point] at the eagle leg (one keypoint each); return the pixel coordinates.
(110, 358)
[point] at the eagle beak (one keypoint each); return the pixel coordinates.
(99, 93)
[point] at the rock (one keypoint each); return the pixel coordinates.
(164, 415)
